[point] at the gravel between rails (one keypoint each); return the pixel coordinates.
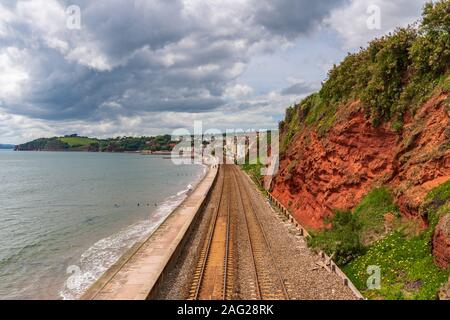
(294, 259)
(245, 277)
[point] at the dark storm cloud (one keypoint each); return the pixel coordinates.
(288, 18)
(121, 27)
(142, 56)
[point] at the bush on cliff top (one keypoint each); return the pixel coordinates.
(392, 76)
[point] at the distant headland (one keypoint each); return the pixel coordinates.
(74, 142)
(7, 146)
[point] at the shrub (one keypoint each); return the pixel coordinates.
(431, 52)
(370, 213)
(343, 239)
(388, 69)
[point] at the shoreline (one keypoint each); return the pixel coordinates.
(166, 208)
(95, 288)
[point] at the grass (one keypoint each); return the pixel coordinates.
(407, 268)
(406, 262)
(77, 141)
(321, 115)
(360, 239)
(439, 194)
(343, 239)
(254, 171)
(371, 212)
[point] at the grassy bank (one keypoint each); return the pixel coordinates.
(254, 171)
(373, 234)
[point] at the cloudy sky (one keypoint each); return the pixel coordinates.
(144, 67)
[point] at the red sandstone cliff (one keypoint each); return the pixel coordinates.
(319, 174)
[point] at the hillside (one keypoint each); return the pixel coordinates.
(362, 159)
(119, 144)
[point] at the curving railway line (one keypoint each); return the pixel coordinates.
(214, 276)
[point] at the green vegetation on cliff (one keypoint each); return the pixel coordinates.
(391, 77)
(405, 258)
(351, 232)
(406, 266)
(364, 237)
(50, 144)
(388, 81)
(342, 240)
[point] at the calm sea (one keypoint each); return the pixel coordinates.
(66, 217)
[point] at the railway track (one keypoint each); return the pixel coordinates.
(213, 278)
(215, 272)
(269, 283)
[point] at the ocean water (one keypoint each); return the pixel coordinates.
(66, 217)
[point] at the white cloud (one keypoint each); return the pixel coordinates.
(6, 17)
(13, 75)
(350, 21)
(18, 129)
(238, 91)
(88, 55)
(48, 20)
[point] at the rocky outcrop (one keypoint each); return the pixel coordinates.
(441, 242)
(321, 173)
(423, 158)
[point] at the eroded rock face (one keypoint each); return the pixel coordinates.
(423, 159)
(319, 174)
(441, 242)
